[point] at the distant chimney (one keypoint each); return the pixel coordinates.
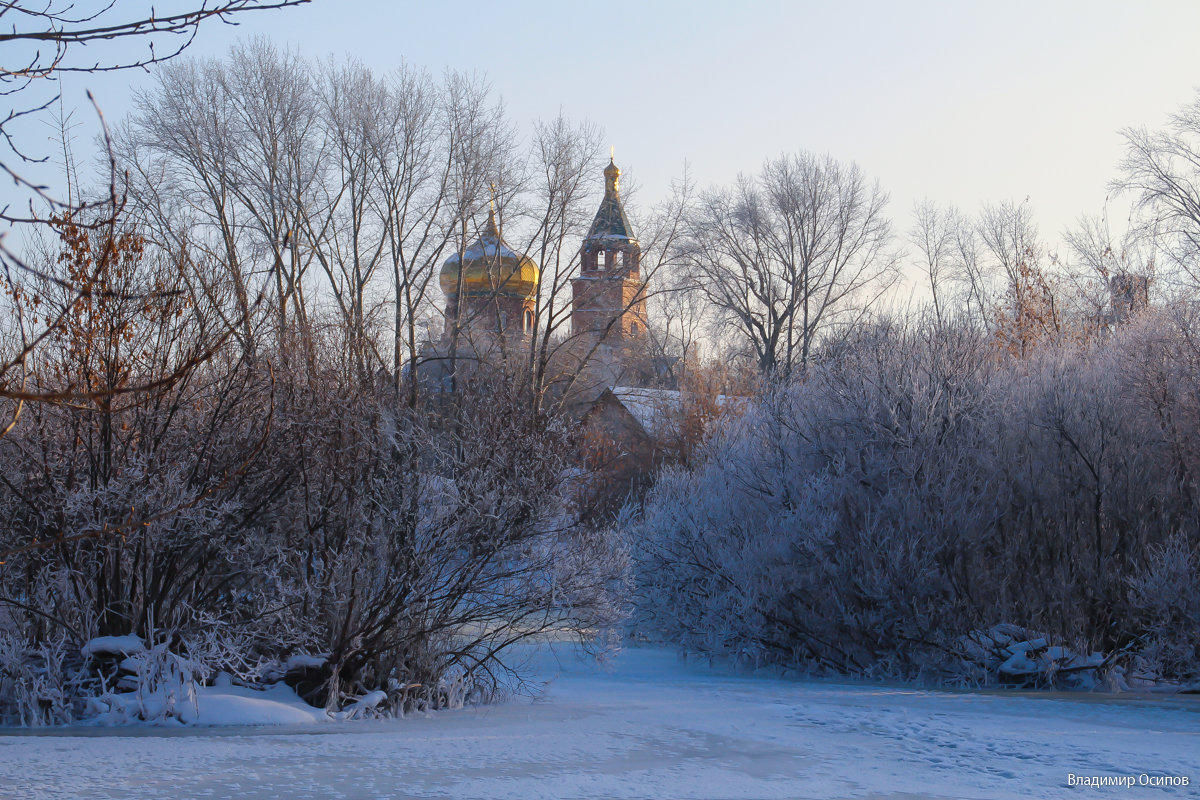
(1130, 295)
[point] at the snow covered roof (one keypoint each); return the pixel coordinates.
(656, 410)
(488, 246)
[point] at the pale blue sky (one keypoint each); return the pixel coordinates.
(962, 102)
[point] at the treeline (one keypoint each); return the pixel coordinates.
(924, 504)
(316, 193)
(999, 487)
(272, 513)
(220, 453)
(227, 437)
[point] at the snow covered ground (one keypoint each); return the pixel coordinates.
(652, 727)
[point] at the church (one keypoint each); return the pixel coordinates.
(624, 428)
(492, 291)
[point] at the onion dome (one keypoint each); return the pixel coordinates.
(612, 176)
(489, 267)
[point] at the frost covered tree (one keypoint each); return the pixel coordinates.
(296, 521)
(915, 492)
(237, 468)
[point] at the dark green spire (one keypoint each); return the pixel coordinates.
(611, 223)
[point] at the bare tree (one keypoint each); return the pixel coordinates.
(413, 171)
(228, 157)
(278, 163)
(480, 151)
(935, 234)
(1161, 171)
(563, 167)
(680, 320)
(787, 254)
(1017, 281)
(1010, 236)
(569, 363)
(350, 244)
(179, 150)
(42, 40)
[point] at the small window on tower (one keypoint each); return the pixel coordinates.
(600, 260)
(633, 329)
(528, 320)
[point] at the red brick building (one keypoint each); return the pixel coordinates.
(609, 297)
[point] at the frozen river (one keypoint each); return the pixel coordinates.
(651, 727)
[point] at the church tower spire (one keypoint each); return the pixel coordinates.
(610, 223)
(609, 296)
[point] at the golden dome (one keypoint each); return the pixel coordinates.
(612, 177)
(490, 268)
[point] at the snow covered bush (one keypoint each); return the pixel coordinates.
(444, 537)
(271, 501)
(302, 514)
(1165, 601)
(918, 486)
(38, 682)
(148, 684)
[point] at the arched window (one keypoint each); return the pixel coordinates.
(600, 260)
(528, 320)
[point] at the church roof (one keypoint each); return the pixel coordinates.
(610, 222)
(490, 267)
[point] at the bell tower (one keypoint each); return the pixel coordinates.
(609, 297)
